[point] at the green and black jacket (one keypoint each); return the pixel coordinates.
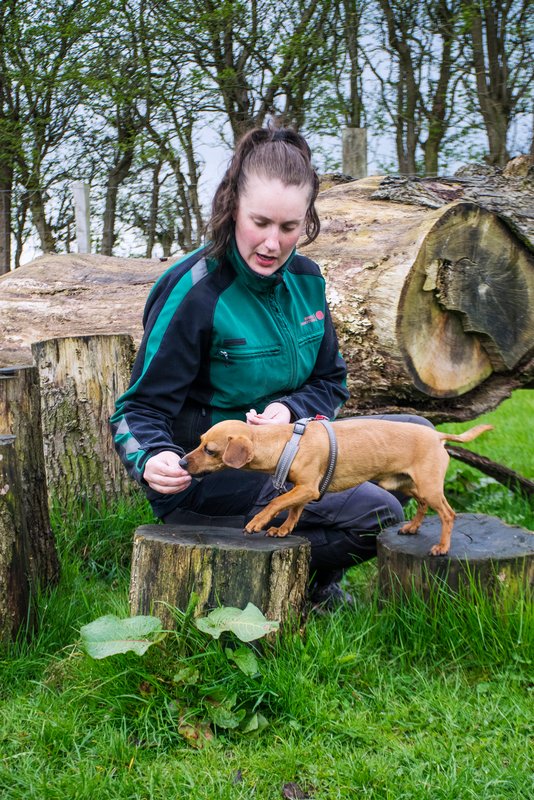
(219, 340)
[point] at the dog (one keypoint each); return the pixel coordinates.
(396, 455)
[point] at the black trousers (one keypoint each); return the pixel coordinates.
(341, 527)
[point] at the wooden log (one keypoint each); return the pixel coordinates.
(221, 566)
(20, 415)
(434, 307)
(80, 379)
(500, 472)
(14, 568)
(483, 549)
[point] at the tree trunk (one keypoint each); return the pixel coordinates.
(6, 187)
(492, 75)
(14, 583)
(38, 211)
(20, 415)
(433, 307)
(221, 566)
(81, 377)
(152, 220)
(484, 551)
(126, 148)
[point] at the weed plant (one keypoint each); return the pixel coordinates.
(391, 700)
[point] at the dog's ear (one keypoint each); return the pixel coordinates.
(238, 452)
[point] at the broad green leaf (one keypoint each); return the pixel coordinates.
(187, 675)
(252, 723)
(245, 659)
(221, 697)
(197, 733)
(225, 718)
(109, 635)
(247, 624)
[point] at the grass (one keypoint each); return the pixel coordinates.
(390, 701)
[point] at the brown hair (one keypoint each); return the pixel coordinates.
(273, 153)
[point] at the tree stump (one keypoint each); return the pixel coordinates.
(14, 567)
(81, 377)
(484, 550)
(221, 566)
(20, 415)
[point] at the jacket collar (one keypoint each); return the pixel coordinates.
(255, 281)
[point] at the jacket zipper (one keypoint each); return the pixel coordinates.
(287, 334)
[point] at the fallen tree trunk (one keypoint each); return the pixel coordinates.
(434, 307)
(431, 293)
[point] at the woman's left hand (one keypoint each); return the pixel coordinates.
(274, 413)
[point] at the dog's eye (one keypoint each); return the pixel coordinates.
(208, 451)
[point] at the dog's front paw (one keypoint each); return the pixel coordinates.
(280, 532)
(256, 524)
(438, 550)
(250, 529)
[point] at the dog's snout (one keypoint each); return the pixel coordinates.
(183, 463)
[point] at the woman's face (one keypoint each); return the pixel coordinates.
(269, 220)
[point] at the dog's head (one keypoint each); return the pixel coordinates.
(227, 444)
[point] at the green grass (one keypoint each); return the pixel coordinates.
(408, 700)
(512, 441)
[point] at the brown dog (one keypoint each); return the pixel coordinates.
(396, 455)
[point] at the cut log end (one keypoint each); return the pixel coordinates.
(464, 312)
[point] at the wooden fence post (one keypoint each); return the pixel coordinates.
(82, 215)
(355, 152)
(20, 415)
(14, 582)
(80, 378)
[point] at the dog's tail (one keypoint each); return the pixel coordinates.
(472, 433)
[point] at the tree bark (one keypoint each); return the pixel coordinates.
(80, 379)
(14, 583)
(20, 415)
(484, 551)
(221, 566)
(434, 308)
(126, 141)
(38, 211)
(6, 187)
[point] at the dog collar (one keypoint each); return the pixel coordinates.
(290, 451)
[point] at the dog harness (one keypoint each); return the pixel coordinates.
(290, 451)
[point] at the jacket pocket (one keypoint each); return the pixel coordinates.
(231, 355)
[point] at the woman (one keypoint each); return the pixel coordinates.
(240, 329)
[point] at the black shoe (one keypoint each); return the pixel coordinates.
(326, 593)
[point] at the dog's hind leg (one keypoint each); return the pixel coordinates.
(414, 524)
(447, 517)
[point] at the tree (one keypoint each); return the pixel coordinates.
(260, 58)
(418, 92)
(499, 34)
(41, 60)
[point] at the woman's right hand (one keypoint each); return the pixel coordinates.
(164, 474)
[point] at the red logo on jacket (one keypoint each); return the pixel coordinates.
(319, 315)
